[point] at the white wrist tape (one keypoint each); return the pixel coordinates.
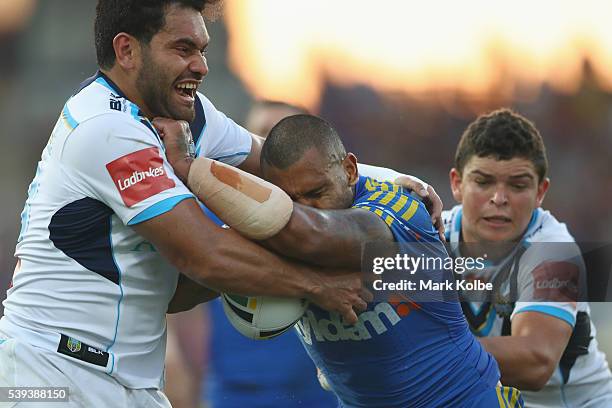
(254, 207)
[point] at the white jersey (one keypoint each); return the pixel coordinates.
(539, 274)
(87, 286)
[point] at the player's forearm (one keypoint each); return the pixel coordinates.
(252, 272)
(243, 267)
(222, 260)
(189, 294)
(523, 361)
(332, 238)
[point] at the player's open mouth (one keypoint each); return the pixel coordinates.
(187, 91)
(497, 220)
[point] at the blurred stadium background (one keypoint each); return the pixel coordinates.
(399, 79)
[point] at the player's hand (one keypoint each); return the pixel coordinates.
(431, 199)
(342, 293)
(176, 136)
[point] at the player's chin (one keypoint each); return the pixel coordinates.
(498, 234)
(183, 113)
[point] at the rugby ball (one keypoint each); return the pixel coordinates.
(261, 317)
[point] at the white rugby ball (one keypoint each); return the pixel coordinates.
(261, 317)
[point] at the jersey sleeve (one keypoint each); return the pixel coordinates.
(406, 216)
(551, 280)
(222, 139)
(121, 162)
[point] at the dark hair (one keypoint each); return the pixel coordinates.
(503, 135)
(139, 18)
(290, 138)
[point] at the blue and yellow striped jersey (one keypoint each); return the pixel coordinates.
(396, 355)
(405, 215)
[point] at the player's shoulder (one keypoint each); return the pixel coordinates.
(550, 250)
(209, 112)
(544, 227)
(392, 200)
(207, 105)
(98, 103)
(382, 193)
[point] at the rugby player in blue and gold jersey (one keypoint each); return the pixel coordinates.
(397, 354)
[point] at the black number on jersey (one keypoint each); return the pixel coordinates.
(116, 105)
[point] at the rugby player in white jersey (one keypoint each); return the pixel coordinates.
(542, 339)
(107, 223)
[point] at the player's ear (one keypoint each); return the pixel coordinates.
(127, 51)
(455, 183)
(350, 167)
(542, 189)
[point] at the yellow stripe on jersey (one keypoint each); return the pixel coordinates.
(500, 397)
(509, 397)
(374, 196)
(401, 203)
(368, 185)
(387, 198)
(389, 220)
(411, 210)
(515, 402)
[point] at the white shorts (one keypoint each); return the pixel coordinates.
(22, 365)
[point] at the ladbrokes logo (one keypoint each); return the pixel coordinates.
(139, 175)
(371, 323)
(556, 282)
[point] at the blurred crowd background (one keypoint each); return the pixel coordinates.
(46, 50)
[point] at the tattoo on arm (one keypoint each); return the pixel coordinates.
(332, 238)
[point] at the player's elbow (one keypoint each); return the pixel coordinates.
(538, 373)
(309, 243)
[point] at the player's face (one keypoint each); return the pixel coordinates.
(174, 64)
(317, 181)
(498, 197)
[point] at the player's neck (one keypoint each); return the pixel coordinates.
(128, 87)
(473, 246)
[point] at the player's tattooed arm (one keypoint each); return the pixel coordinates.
(227, 262)
(331, 238)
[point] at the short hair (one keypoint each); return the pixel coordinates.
(503, 135)
(139, 18)
(290, 138)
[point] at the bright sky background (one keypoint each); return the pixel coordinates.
(282, 49)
